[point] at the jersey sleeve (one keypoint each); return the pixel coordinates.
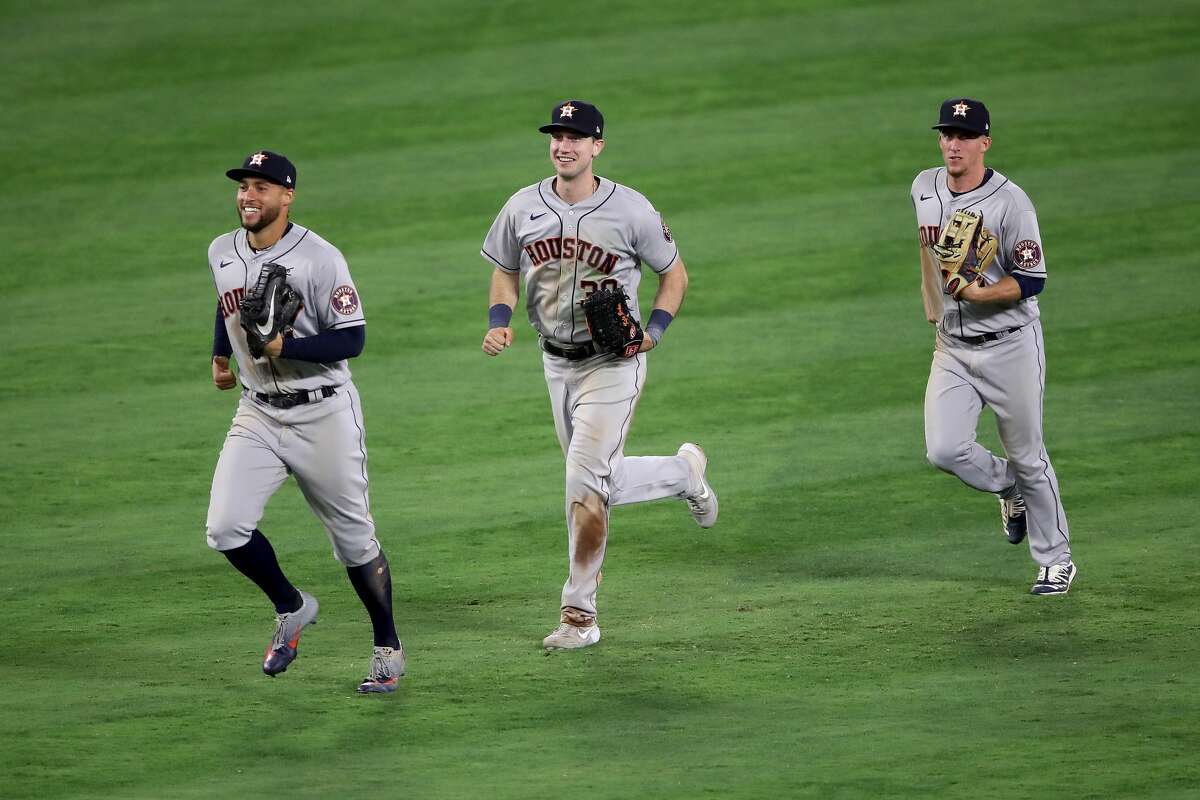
(1021, 239)
(335, 297)
(500, 246)
(652, 240)
(927, 205)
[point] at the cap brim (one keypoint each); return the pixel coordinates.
(944, 125)
(240, 173)
(560, 127)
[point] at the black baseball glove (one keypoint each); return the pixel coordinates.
(613, 328)
(269, 308)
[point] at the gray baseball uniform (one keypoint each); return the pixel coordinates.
(563, 252)
(321, 442)
(995, 355)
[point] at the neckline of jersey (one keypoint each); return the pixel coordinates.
(291, 226)
(987, 176)
(593, 199)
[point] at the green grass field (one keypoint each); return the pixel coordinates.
(855, 626)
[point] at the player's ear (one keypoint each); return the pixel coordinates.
(985, 143)
(597, 146)
(288, 194)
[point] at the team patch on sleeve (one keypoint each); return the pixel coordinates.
(344, 300)
(1027, 254)
(666, 231)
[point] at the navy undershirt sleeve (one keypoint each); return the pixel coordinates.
(1029, 286)
(327, 346)
(221, 345)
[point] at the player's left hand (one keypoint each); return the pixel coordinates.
(274, 347)
(223, 377)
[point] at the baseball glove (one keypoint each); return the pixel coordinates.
(965, 249)
(613, 328)
(269, 308)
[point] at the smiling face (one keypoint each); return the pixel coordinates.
(572, 153)
(260, 202)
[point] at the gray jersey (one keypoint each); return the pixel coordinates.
(1009, 215)
(565, 252)
(317, 270)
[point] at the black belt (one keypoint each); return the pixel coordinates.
(292, 400)
(570, 353)
(986, 337)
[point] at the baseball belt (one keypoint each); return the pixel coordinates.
(295, 399)
(586, 350)
(987, 337)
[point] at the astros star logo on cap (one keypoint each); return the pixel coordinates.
(961, 109)
(257, 159)
(567, 111)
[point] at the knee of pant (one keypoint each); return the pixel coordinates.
(582, 488)
(1028, 472)
(226, 535)
(358, 553)
(946, 457)
(582, 482)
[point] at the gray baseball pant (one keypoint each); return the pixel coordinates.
(1008, 375)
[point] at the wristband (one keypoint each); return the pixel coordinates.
(657, 326)
(499, 315)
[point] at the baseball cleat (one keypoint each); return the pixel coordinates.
(282, 650)
(704, 504)
(1012, 514)
(1055, 579)
(387, 668)
(572, 637)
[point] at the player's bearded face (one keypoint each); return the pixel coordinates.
(572, 153)
(259, 203)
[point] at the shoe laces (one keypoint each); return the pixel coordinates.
(381, 664)
(280, 639)
(1058, 573)
(695, 501)
(1014, 507)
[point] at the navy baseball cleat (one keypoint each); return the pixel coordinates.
(282, 650)
(1012, 514)
(1054, 579)
(387, 667)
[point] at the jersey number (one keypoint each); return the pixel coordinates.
(590, 286)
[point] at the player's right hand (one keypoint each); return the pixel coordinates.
(223, 376)
(496, 340)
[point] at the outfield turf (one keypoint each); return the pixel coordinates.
(855, 625)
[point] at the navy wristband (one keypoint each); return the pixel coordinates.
(499, 316)
(1029, 285)
(221, 345)
(657, 326)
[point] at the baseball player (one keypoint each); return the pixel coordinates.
(299, 414)
(989, 347)
(564, 238)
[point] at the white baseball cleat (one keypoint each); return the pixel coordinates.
(387, 667)
(572, 637)
(285, 644)
(703, 505)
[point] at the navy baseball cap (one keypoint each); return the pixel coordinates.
(265, 164)
(966, 114)
(577, 116)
